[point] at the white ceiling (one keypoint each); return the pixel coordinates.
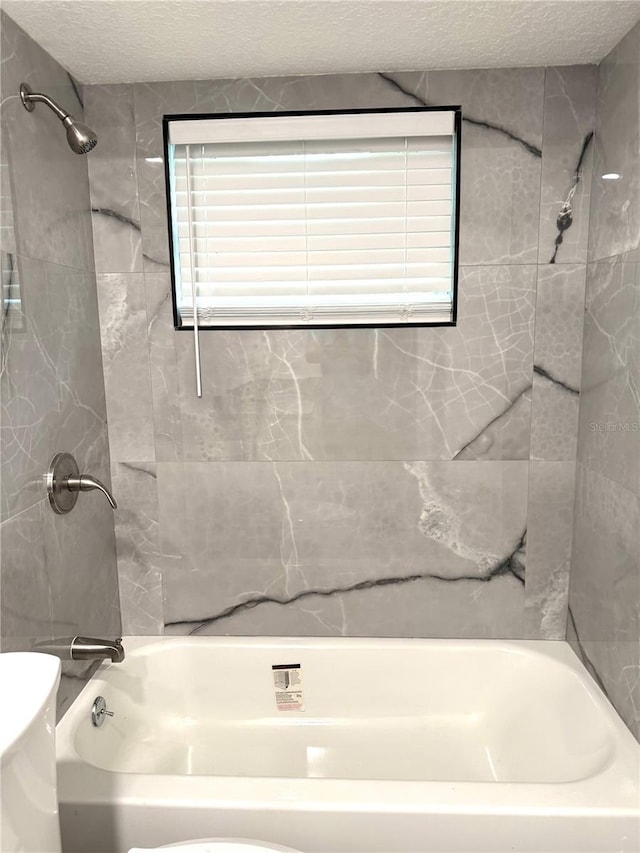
(112, 41)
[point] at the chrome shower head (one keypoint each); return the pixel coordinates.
(81, 138)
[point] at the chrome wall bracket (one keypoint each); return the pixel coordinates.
(61, 499)
(25, 91)
(64, 481)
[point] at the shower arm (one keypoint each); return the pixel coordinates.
(30, 98)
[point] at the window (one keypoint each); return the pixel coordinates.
(314, 219)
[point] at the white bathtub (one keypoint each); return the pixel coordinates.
(403, 745)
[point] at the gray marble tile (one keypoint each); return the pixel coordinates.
(24, 441)
(80, 550)
(501, 159)
(422, 608)
(438, 393)
(319, 92)
(557, 361)
(609, 427)
(615, 204)
(165, 388)
(125, 355)
(332, 538)
(51, 387)
(605, 588)
(7, 230)
(117, 236)
(567, 161)
(25, 581)
(509, 100)
(137, 537)
(604, 613)
(549, 537)
(151, 102)
(58, 579)
(487, 362)
(49, 224)
(58, 572)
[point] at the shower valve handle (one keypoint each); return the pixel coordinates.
(65, 482)
(86, 483)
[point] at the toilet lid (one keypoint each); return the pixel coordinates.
(219, 845)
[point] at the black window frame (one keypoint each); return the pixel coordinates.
(456, 110)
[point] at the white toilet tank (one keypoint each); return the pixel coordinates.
(28, 795)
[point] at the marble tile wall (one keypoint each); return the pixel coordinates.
(58, 573)
(396, 481)
(604, 623)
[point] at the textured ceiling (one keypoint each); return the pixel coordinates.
(110, 41)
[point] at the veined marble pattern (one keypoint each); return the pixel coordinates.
(501, 160)
(80, 558)
(605, 588)
(137, 538)
(116, 229)
(549, 534)
(7, 231)
(609, 435)
(605, 565)
(615, 211)
(305, 401)
(569, 118)
(420, 608)
(441, 393)
(26, 605)
(50, 398)
(323, 539)
(58, 573)
(557, 361)
(125, 355)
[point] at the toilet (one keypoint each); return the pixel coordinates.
(219, 845)
(28, 801)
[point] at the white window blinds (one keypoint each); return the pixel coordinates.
(314, 219)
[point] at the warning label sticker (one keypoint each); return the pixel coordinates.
(287, 682)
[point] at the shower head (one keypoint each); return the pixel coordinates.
(81, 138)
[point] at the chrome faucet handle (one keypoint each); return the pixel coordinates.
(64, 483)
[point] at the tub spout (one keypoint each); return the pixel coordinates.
(82, 648)
(89, 648)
